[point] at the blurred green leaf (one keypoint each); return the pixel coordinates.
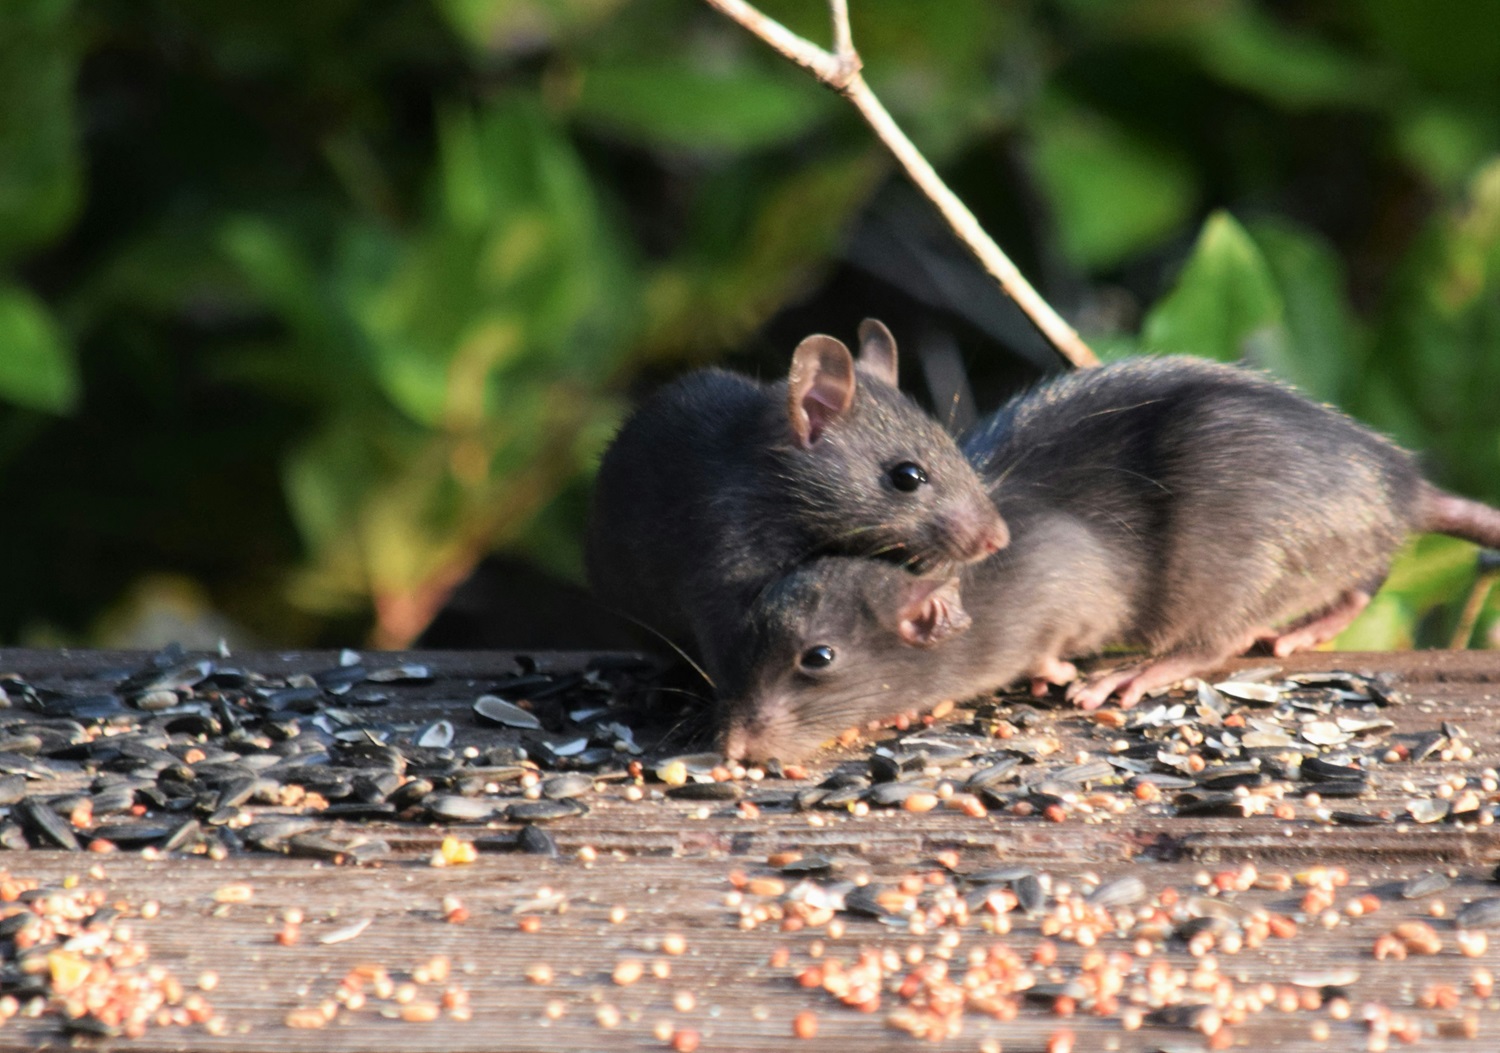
(1458, 51)
(1385, 625)
(1225, 304)
(743, 266)
(1447, 143)
(279, 270)
(1430, 572)
(523, 25)
(1435, 368)
(675, 102)
(1113, 194)
(41, 176)
(1246, 47)
(1322, 353)
(36, 363)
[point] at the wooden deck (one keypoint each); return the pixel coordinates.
(672, 865)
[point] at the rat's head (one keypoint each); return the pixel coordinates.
(871, 473)
(837, 643)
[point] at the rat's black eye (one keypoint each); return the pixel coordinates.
(907, 476)
(820, 657)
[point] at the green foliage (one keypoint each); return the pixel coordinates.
(40, 170)
(354, 293)
(1225, 306)
(1149, 194)
(683, 106)
(37, 368)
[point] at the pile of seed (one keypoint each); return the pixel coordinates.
(70, 953)
(202, 754)
(990, 943)
(1248, 747)
(422, 995)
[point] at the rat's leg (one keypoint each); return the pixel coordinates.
(1318, 627)
(1132, 681)
(1051, 670)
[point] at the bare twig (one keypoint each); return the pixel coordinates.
(840, 70)
(1479, 595)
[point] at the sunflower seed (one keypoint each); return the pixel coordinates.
(497, 710)
(543, 811)
(1118, 892)
(1480, 914)
(1427, 884)
(1248, 691)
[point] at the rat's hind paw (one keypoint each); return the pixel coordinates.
(1130, 683)
(1318, 627)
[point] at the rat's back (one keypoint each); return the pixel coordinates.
(685, 448)
(1241, 502)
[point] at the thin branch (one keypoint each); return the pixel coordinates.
(843, 39)
(840, 70)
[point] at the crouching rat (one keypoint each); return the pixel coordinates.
(1174, 505)
(841, 642)
(718, 484)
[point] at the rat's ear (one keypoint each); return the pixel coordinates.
(820, 387)
(933, 612)
(877, 351)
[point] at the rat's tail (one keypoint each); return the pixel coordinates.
(1443, 513)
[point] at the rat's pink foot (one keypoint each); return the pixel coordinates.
(1052, 670)
(1131, 682)
(1318, 627)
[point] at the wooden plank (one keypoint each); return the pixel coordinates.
(668, 863)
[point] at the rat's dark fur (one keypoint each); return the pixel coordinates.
(711, 491)
(1204, 508)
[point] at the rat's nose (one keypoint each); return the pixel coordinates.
(995, 538)
(970, 540)
(736, 741)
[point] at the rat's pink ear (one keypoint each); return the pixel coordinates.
(877, 351)
(820, 387)
(932, 613)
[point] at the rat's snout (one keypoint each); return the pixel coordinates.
(996, 538)
(761, 731)
(736, 742)
(976, 534)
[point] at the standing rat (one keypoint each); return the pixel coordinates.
(1205, 508)
(719, 484)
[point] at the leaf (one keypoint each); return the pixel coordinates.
(1456, 51)
(520, 268)
(1113, 194)
(1247, 48)
(1385, 625)
(1435, 361)
(1322, 353)
(280, 271)
(1446, 143)
(37, 368)
(1225, 304)
(1430, 572)
(41, 173)
(507, 26)
(675, 104)
(739, 269)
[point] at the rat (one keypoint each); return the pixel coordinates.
(1198, 509)
(718, 484)
(842, 642)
